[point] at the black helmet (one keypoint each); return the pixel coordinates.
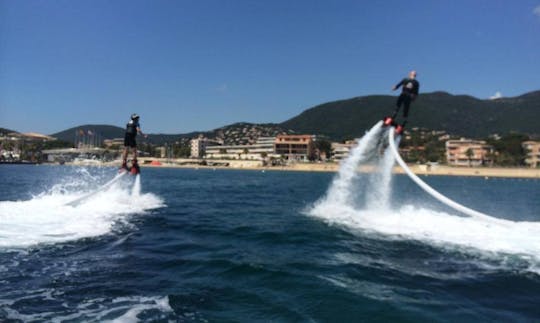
(134, 116)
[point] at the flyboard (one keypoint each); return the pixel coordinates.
(134, 170)
(429, 189)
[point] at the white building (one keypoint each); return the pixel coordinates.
(263, 147)
(199, 146)
(341, 151)
(532, 148)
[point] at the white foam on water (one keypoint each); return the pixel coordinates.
(143, 304)
(410, 222)
(117, 310)
(46, 219)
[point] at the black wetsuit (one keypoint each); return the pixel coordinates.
(131, 133)
(409, 92)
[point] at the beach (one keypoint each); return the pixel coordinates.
(418, 169)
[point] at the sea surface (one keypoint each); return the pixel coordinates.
(188, 245)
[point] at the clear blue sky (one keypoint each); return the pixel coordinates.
(190, 65)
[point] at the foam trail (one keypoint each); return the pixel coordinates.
(341, 187)
(47, 219)
(475, 235)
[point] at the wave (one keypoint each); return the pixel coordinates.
(46, 218)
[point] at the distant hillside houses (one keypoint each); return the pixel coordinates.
(247, 133)
(12, 144)
(460, 152)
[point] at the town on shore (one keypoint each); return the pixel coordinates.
(428, 152)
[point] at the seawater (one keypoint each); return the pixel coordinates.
(246, 246)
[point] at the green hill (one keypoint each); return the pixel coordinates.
(103, 131)
(457, 114)
(111, 132)
(237, 133)
(4, 131)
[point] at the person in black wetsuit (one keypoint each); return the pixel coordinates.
(132, 128)
(409, 92)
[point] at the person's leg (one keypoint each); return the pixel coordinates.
(399, 102)
(134, 164)
(135, 154)
(124, 155)
(406, 105)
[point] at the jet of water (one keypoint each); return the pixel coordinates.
(378, 197)
(340, 189)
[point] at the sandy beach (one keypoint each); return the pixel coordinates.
(426, 170)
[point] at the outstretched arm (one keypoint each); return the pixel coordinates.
(397, 85)
(140, 131)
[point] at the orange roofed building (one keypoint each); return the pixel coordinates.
(295, 147)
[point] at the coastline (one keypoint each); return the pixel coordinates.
(420, 170)
(426, 170)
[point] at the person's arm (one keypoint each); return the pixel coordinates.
(398, 85)
(140, 131)
(415, 90)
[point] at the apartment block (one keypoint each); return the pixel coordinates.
(532, 149)
(341, 151)
(199, 146)
(467, 152)
(295, 147)
(264, 146)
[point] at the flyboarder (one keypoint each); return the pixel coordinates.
(132, 128)
(409, 92)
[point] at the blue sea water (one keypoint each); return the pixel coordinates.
(247, 246)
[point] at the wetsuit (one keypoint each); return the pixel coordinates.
(131, 133)
(409, 92)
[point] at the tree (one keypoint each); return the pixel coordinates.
(470, 154)
(508, 149)
(324, 146)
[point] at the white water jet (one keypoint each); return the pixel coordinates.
(436, 194)
(341, 187)
(378, 197)
(481, 233)
(136, 190)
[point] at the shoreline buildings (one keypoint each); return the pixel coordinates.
(532, 150)
(289, 147)
(295, 147)
(467, 152)
(260, 150)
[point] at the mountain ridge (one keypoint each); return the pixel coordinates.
(462, 115)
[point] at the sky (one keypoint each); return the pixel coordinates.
(189, 65)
